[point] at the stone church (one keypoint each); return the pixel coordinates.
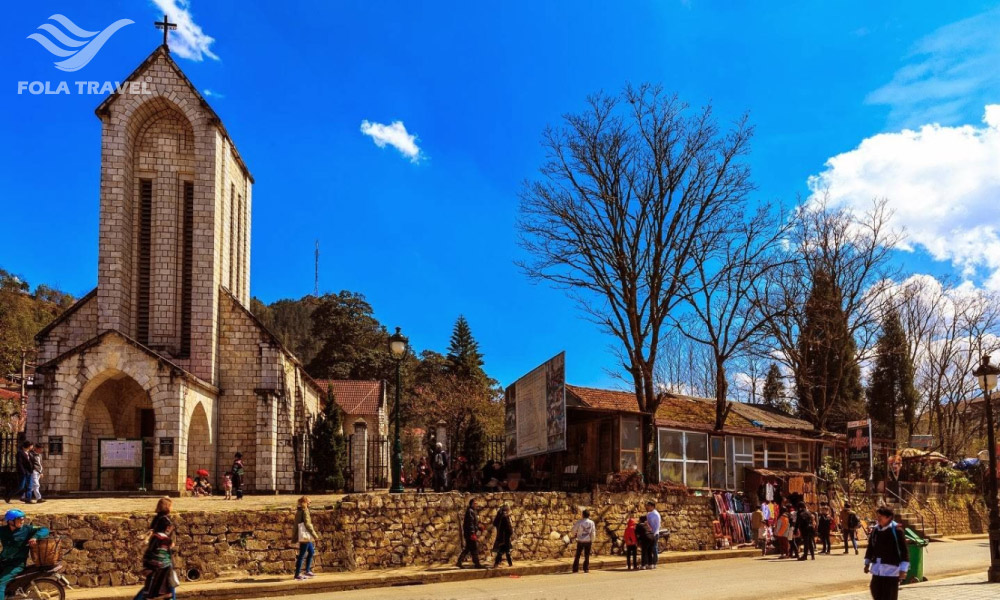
(165, 348)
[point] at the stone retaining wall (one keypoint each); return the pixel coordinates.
(366, 531)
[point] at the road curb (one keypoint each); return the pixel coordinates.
(256, 588)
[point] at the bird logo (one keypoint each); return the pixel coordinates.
(73, 43)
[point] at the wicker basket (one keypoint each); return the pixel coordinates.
(47, 552)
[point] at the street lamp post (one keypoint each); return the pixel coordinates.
(986, 375)
(397, 348)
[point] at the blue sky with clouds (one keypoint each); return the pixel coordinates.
(398, 134)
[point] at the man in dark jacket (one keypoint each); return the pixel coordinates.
(887, 557)
(806, 529)
(23, 473)
(470, 536)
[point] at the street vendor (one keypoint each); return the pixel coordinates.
(17, 538)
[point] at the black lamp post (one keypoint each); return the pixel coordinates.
(397, 348)
(986, 375)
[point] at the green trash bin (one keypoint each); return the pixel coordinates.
(916, 545)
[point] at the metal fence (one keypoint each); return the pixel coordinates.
(9, 444)
(379, 447)
(496, 449)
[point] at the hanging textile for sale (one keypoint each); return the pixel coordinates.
(769, 492)
(735, 517)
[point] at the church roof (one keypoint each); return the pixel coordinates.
(356, 397)
(164, 51)
(65, 314)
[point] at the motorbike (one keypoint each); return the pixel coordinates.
(39, 583)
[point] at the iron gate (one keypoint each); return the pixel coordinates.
(379, 458)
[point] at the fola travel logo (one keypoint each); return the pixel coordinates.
(70, 42)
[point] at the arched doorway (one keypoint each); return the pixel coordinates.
(199, 452)
(114, 406)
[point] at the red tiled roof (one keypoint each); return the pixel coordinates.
(10, 394)
(355, 397)
(676, 410)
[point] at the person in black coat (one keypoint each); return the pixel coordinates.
(806, 528)
(647, 542)
(470, 536)
(887, 557)
(24, 469)
(505, 536)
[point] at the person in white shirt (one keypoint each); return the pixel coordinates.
(584, 530)
(653, 520)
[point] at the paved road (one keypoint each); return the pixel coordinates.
(733, 579)
(970, 587)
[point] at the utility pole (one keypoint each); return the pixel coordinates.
(316, 283)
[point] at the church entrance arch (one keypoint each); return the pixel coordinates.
(199, 453)
(115, 406)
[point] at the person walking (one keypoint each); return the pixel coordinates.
(157, 561)
(470, 535)
(23, 462)
(824, 528)
(505, 536)
(439, 465)
(887, 557)
(653, 520)
(805, 526)
(35, 488)
(584, 530)
(306, 537)
(238, 472)
(849, 523)
(631, 547)
(17, 538)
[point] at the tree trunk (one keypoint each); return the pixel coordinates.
(721, 391)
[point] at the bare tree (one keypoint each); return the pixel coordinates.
(723, 290)
(631, 192)
(851, 252)
(685, 367)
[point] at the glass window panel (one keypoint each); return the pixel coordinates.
(671, 444)
(718, 447)
(719, 474)
(672, 471)
(697, 475)
(697, 446)
(630, 461)
(630, 434)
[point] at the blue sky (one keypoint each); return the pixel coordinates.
(476, 83)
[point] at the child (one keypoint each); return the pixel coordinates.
(227, 485)
(631, 547)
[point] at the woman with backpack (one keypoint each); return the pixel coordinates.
(849, 523)
(805, 527)
(647, 541)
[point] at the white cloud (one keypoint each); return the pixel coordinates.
(188, 41)
(394, 135)
(210, 94)
(942, 184)
(948, 72)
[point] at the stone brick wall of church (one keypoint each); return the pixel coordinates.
(366, 531)
(78, 327)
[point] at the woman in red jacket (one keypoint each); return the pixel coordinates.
(631, 546)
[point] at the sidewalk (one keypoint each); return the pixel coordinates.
(273, 585)
(965, 587)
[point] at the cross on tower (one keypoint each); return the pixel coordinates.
(165, 26)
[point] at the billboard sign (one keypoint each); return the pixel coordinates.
(535, 410)
(923, 442)
(859, 446)
(121, 454)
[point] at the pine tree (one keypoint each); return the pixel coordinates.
(474, 447)
(329, 448)
(890, 393)
(828, 384)
(463, 351)
(774, 390)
